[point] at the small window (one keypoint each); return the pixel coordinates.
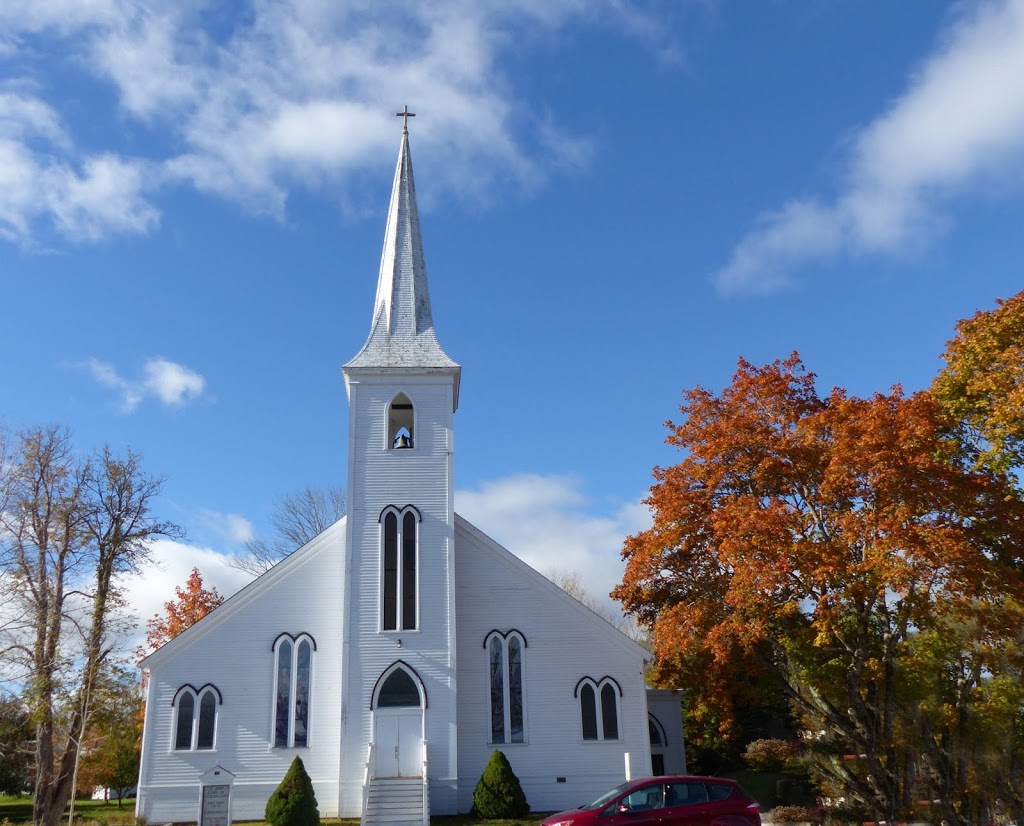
(645, 799)
(505, 669)
(195, 718)
(400, 423)
(599, 709)
(399, 561)
(686, 794)
(292, 677)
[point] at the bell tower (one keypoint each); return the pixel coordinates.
(403, 391)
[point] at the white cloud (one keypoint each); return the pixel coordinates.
(958, 126)
(282, 93)
(170, 383)
(549, 523)
(230, 527)
(102, 194)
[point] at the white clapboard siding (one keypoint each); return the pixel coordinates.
(565, 642)
(231, 648)
(420, 477)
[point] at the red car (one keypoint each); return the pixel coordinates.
(687, 801)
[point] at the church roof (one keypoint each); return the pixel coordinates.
(402, 330)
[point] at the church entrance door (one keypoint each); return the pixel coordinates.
(398, 725)
(399, 742)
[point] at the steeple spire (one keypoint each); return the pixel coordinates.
(402, 328)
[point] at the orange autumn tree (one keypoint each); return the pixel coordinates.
(817, 537)
(192, 604)
(982, 385)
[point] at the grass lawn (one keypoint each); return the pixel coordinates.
(19, 810)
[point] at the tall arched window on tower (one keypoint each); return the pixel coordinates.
(293, 658)
(505, 670)
(399, 563)
(400, 423)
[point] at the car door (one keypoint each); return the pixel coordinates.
(644, 805)
(686, 804)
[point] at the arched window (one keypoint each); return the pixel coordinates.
(195, 718)
(599, 708)
(293, 658)
(656, 731)
(505, 669)
(400, 423)
(399, 691)
(398, 568)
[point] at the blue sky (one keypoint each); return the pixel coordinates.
(618, 200)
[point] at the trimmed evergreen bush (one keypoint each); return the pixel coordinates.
(499, 795)
(293, 803)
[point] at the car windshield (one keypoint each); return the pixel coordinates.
(607, 797)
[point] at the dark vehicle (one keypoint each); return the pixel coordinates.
(687, 801)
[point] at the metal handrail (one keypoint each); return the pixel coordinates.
(426, 788)
(366, 779)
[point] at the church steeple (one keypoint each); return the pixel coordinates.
(402, 334)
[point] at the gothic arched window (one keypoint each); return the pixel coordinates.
(399, 562)
(599, 708)
(195, 718)
(293, 659)
(505, 670)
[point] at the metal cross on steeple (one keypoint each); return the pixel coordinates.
(405, 114)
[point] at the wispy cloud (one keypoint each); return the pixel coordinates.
(549, 523)
(958, 126)
(248, 104)
(168, 382)
(229, 527)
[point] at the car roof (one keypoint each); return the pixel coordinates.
(677, 778)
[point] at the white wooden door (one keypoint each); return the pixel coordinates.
(398, 742)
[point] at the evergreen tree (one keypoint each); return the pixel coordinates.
(499, 795)
(293, 803)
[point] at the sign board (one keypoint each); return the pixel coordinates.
(216, 810)
(215, 797)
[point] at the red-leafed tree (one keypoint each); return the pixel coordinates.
(821, 538)
(192, 603)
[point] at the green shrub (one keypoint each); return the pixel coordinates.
(770, 755)
(499, 795)
(293, 803)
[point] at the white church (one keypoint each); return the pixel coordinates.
(399, 648)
